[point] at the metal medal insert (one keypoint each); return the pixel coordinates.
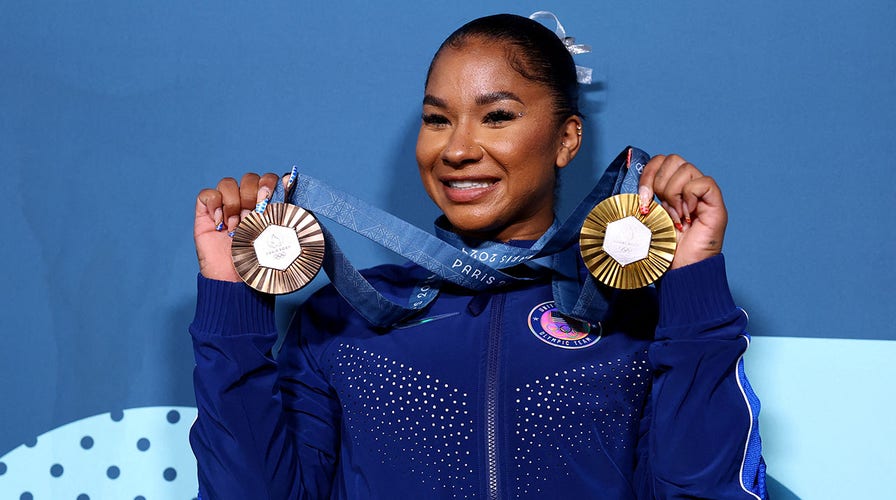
(278, 251)
(624, 249)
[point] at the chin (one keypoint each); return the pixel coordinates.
(473, 228)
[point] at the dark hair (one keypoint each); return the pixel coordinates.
(535, 52)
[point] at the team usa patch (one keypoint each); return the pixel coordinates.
(555, 329)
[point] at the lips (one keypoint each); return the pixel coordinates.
(468, 184)
(467, 190)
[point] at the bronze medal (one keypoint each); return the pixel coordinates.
(278, 251)
(623, 248)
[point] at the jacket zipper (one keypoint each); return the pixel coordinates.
(491, 394)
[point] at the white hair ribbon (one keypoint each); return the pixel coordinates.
(583, 74)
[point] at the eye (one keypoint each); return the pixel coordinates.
(435, 120)
(498, 117)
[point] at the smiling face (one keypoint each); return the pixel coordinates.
(490, 142)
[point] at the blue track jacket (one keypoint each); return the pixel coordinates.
(488, 396)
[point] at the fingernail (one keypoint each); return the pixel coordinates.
(263, 193)
(264, 197)
(292, 176)
(687, 212)
(687, 219)
(679, 226)
(219, 219)
(645, 195)
(231, 233)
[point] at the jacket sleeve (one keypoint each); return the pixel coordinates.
(700, 432)
(247, 445)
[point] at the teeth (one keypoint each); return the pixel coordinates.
(468, 184)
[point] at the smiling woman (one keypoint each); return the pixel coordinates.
(500, 116)
(488, 148)
(492, 392)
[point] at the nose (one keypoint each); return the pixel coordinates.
(461, 148)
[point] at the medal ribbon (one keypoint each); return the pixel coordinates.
(473, 265)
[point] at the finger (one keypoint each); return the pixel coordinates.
(290, 179)
(209, 204)
(232, 222)
(673, 191)
(645, 189)
(703, 190)
(230, 193)
(665, 172)
(676, 219)
(249, 191)
(266, 186)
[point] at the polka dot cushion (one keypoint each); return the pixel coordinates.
(138, 453)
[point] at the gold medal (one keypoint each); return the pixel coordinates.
(278, 251)
(624, 249)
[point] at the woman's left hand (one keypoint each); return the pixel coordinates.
(693, 200)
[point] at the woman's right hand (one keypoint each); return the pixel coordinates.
(218, 212)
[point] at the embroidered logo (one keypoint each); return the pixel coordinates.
(553, 328)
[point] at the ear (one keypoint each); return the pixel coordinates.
(570, 140)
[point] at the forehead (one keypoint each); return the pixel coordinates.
(477, 67)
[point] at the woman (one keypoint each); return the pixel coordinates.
(476, 402)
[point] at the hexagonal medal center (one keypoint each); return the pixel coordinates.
(277, 247)
(627, 240)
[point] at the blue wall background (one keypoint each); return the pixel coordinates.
(114, 115)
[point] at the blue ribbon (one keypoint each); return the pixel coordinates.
(478, 266)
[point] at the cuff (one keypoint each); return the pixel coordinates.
(228, 308)
(695, 294)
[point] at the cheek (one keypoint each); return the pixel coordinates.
(542, 144)
(428, 149)
(533, 157)
(529, 145)
(424, 155)
(420, 148)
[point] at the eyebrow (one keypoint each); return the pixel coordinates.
(492, 97)
(481, 100)
(434, 101)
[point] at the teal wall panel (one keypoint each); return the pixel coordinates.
(114, 114)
